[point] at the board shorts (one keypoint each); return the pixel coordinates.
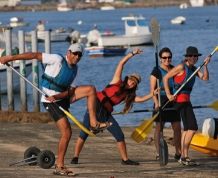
(168, 115)
(187, 114)
(54, 110)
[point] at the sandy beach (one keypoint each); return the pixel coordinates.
(99, 158)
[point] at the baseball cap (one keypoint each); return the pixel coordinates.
(76, 47)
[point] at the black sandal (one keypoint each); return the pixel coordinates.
(98, 128)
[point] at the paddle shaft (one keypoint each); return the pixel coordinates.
(166, 109)
(155, 29)
(40, 91)
(163, 148)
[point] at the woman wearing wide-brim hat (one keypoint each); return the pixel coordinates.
(180, 74)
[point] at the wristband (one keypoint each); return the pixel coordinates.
(132, 53)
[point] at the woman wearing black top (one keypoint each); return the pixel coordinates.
(171, 116)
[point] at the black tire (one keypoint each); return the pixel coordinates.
(163, 152)
(46, 159)
(31, 152)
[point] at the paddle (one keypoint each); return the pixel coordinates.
(138, 133)
(62, 109)
(213, 105)
(163, 149)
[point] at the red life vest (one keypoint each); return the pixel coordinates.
(184, 94)
(109, 98)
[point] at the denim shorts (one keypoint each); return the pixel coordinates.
(102, 116)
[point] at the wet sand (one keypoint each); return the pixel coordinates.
(99, 158)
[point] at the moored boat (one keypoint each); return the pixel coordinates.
(136, 33)
(197, 3)
(183, 6)
(58, 35)
(178, 20)
(63, 6)
(97, 51)
(106, 8)
(17, 22)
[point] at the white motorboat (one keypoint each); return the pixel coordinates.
(17, 22)
(183, 6)
(137, 32)
(197, 3)
(106, 8)
(63, 6)
(178, 20)
(97, 51)
(58, 35)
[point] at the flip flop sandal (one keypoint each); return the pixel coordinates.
(98, 128)
(63, 171)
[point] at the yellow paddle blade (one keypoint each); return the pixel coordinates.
(142, 131)
(214, 105)
(81, 126)
(138, 136)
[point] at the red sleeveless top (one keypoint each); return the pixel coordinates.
(181, 97)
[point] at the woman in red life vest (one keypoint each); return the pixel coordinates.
(181, 73)
(116, 92)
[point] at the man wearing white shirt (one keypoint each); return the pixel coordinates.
(58, 77)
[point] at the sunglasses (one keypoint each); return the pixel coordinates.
(77, 54)
(192, 56)
(166, 57)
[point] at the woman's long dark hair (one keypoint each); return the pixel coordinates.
(130, 97)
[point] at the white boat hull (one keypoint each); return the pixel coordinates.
(63, 6)
(55, 36)
(124, 40)
(197, 3)
(178, 20)
(64, 9)
(16, 78)
(97, 51)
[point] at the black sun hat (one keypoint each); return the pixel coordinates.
(191, 50)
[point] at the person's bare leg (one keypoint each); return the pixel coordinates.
(122, 149)
(123, 153)
(182, 143)
(90, 93)
(176, 126)
(65, 131)
(187, 141)
(78, 147)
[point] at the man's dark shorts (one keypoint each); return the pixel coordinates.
(54, 110)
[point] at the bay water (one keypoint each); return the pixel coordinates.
(200, 30)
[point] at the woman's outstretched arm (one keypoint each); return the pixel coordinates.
(118, 72)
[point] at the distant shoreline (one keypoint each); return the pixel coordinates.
(83, 6)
